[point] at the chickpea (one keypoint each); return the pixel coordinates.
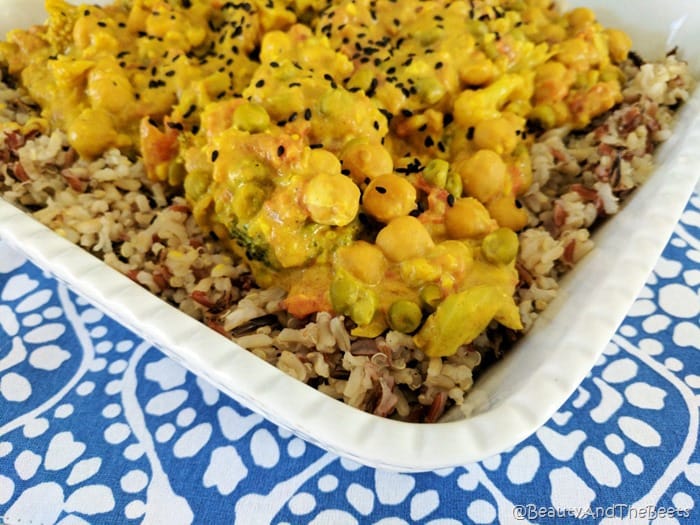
(366, 160)
(362, 260)
(331, 199)
(92, 132)
(388, 197)
(322, 161)
(478, 71)
(507, 213)
(552, 82)
(484, 175)
(580, 17)
(497, 135)
(274, 45)
(619, 44)
(404, 238)
(109, 90)
(468, 219)
(574, 53)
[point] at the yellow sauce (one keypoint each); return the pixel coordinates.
(365, 155)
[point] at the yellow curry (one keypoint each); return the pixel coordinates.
(366, 155)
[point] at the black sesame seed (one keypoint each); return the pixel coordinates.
(280, 151)
(380, 189)
(470, 133)
(450, 200)
(315, 146)
(372, 88)
(214, 155)
(307, 114)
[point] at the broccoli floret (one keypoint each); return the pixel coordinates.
(255, 250)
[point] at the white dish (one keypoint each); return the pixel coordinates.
(515, 396)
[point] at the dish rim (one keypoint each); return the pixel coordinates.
(497, 401)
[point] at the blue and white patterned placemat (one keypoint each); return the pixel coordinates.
(98, 427)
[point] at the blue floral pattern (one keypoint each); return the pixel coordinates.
(96, 426)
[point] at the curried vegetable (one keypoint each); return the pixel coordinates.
(365, 155)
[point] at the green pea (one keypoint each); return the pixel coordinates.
(247, 201)
(196, 184)
(344, 292)
(500, 246)
(435, 172)
(176, 173)
(362, 311)
(431, 296)
(350, 298)
(430, 89)
(428, 36)
(545, 115)
(404, 316)
(251, 117)
(454, 184)
(361, 79)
